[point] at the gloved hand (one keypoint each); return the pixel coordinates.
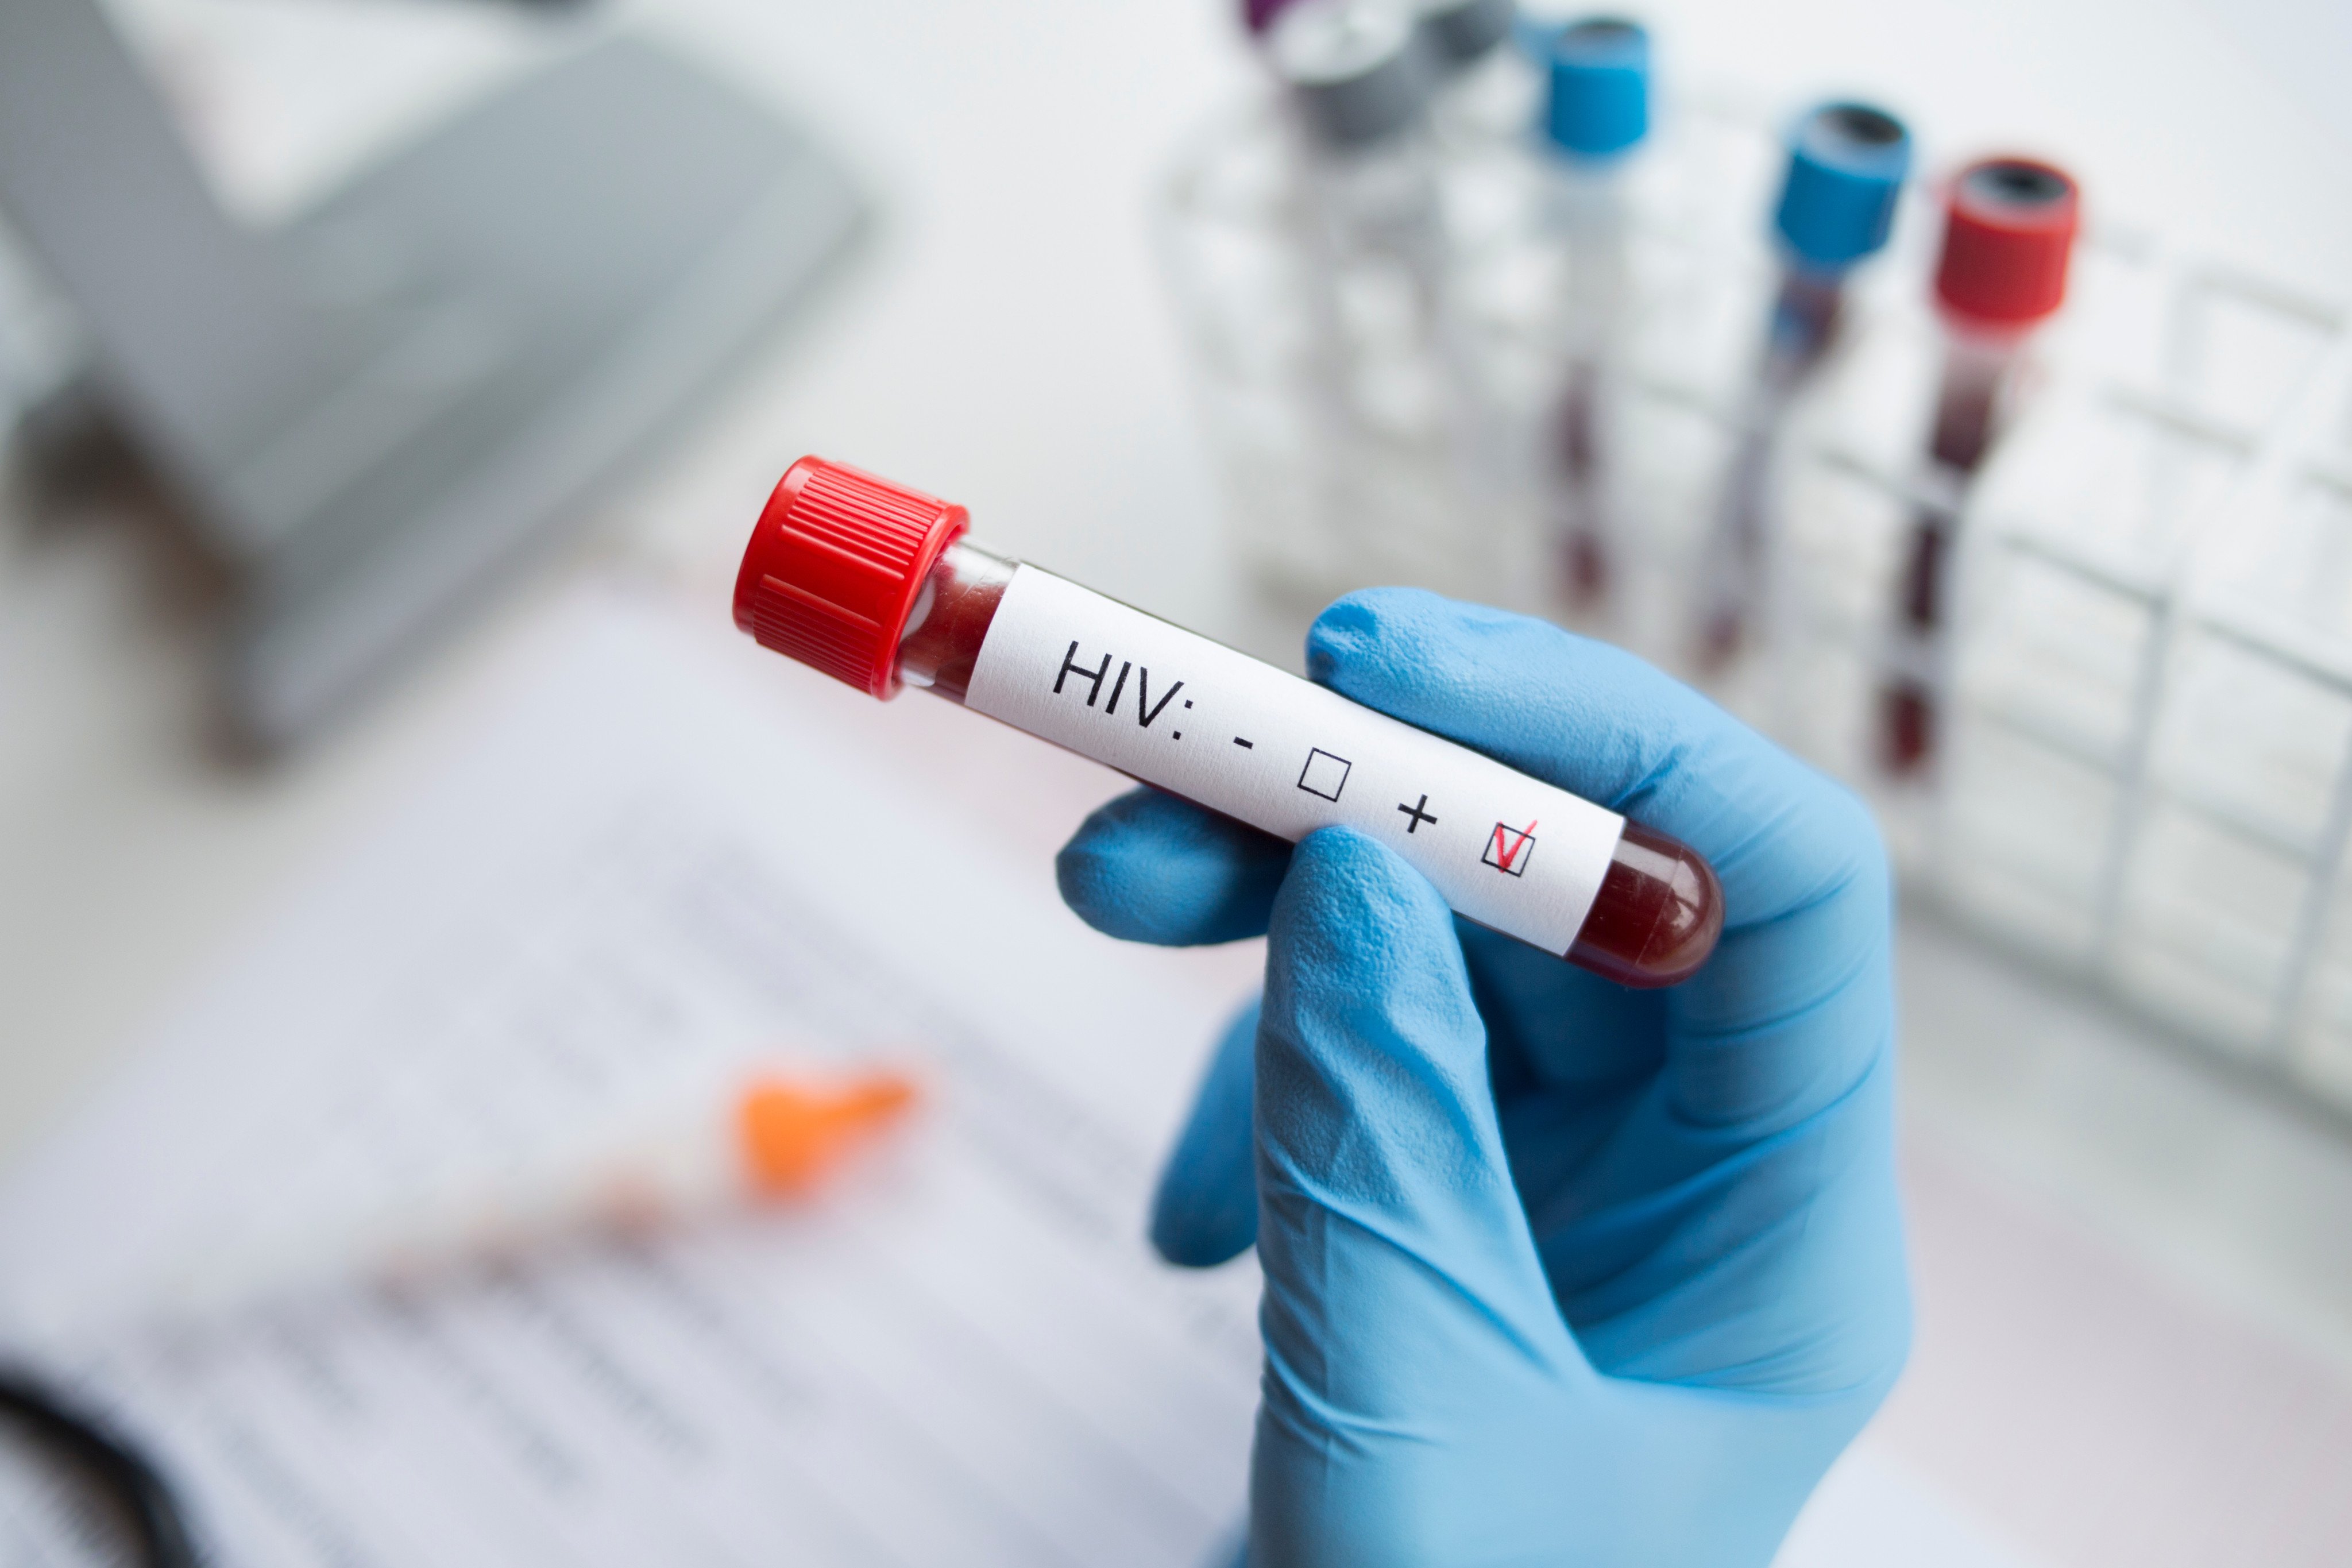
(1556, 1272)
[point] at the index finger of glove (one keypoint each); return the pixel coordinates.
(1148, 867)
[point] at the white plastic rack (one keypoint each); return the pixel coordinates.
(2145, 773)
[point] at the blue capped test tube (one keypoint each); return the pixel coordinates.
(1596, 112)
(1846, 167)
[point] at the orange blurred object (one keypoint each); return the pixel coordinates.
(794, 1134)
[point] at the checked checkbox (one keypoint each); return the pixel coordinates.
(1508, 849)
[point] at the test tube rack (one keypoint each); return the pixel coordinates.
(2145, 779)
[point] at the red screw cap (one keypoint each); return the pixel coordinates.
(834, 566)
(2008, 224)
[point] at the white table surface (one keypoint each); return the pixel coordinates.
(1003, 342)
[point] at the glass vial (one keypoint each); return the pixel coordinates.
(876, 586)
(2008, 231)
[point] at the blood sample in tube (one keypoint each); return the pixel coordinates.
(876, 585)
(2009, 230)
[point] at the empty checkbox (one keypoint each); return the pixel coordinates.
(1324, 774)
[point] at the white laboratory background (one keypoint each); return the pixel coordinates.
(2117, 1086)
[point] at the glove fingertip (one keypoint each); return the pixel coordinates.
(1364, 625)
(1149, 868)
(1205, 1212)
(1203, 1237)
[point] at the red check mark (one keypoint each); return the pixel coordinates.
(1505, 855)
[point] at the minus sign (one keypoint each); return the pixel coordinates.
(1244, 745)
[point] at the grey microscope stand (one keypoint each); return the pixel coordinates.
(373, 409)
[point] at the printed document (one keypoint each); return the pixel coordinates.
(653, 865)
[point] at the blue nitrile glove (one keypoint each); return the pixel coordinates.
(1556, 1272)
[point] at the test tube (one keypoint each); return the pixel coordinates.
(2009, 229)
(1846, 166)
(876, 585)
(1596, 113)
(1359, 90)
(1476, 93)
(1481, 103)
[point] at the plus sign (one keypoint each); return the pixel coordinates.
(1418, 813)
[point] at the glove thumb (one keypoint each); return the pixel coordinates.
(1404, 1300)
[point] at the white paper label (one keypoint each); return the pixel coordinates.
(1195, 717)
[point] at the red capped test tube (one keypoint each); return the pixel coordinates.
(2009, 230)
(876, 585)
